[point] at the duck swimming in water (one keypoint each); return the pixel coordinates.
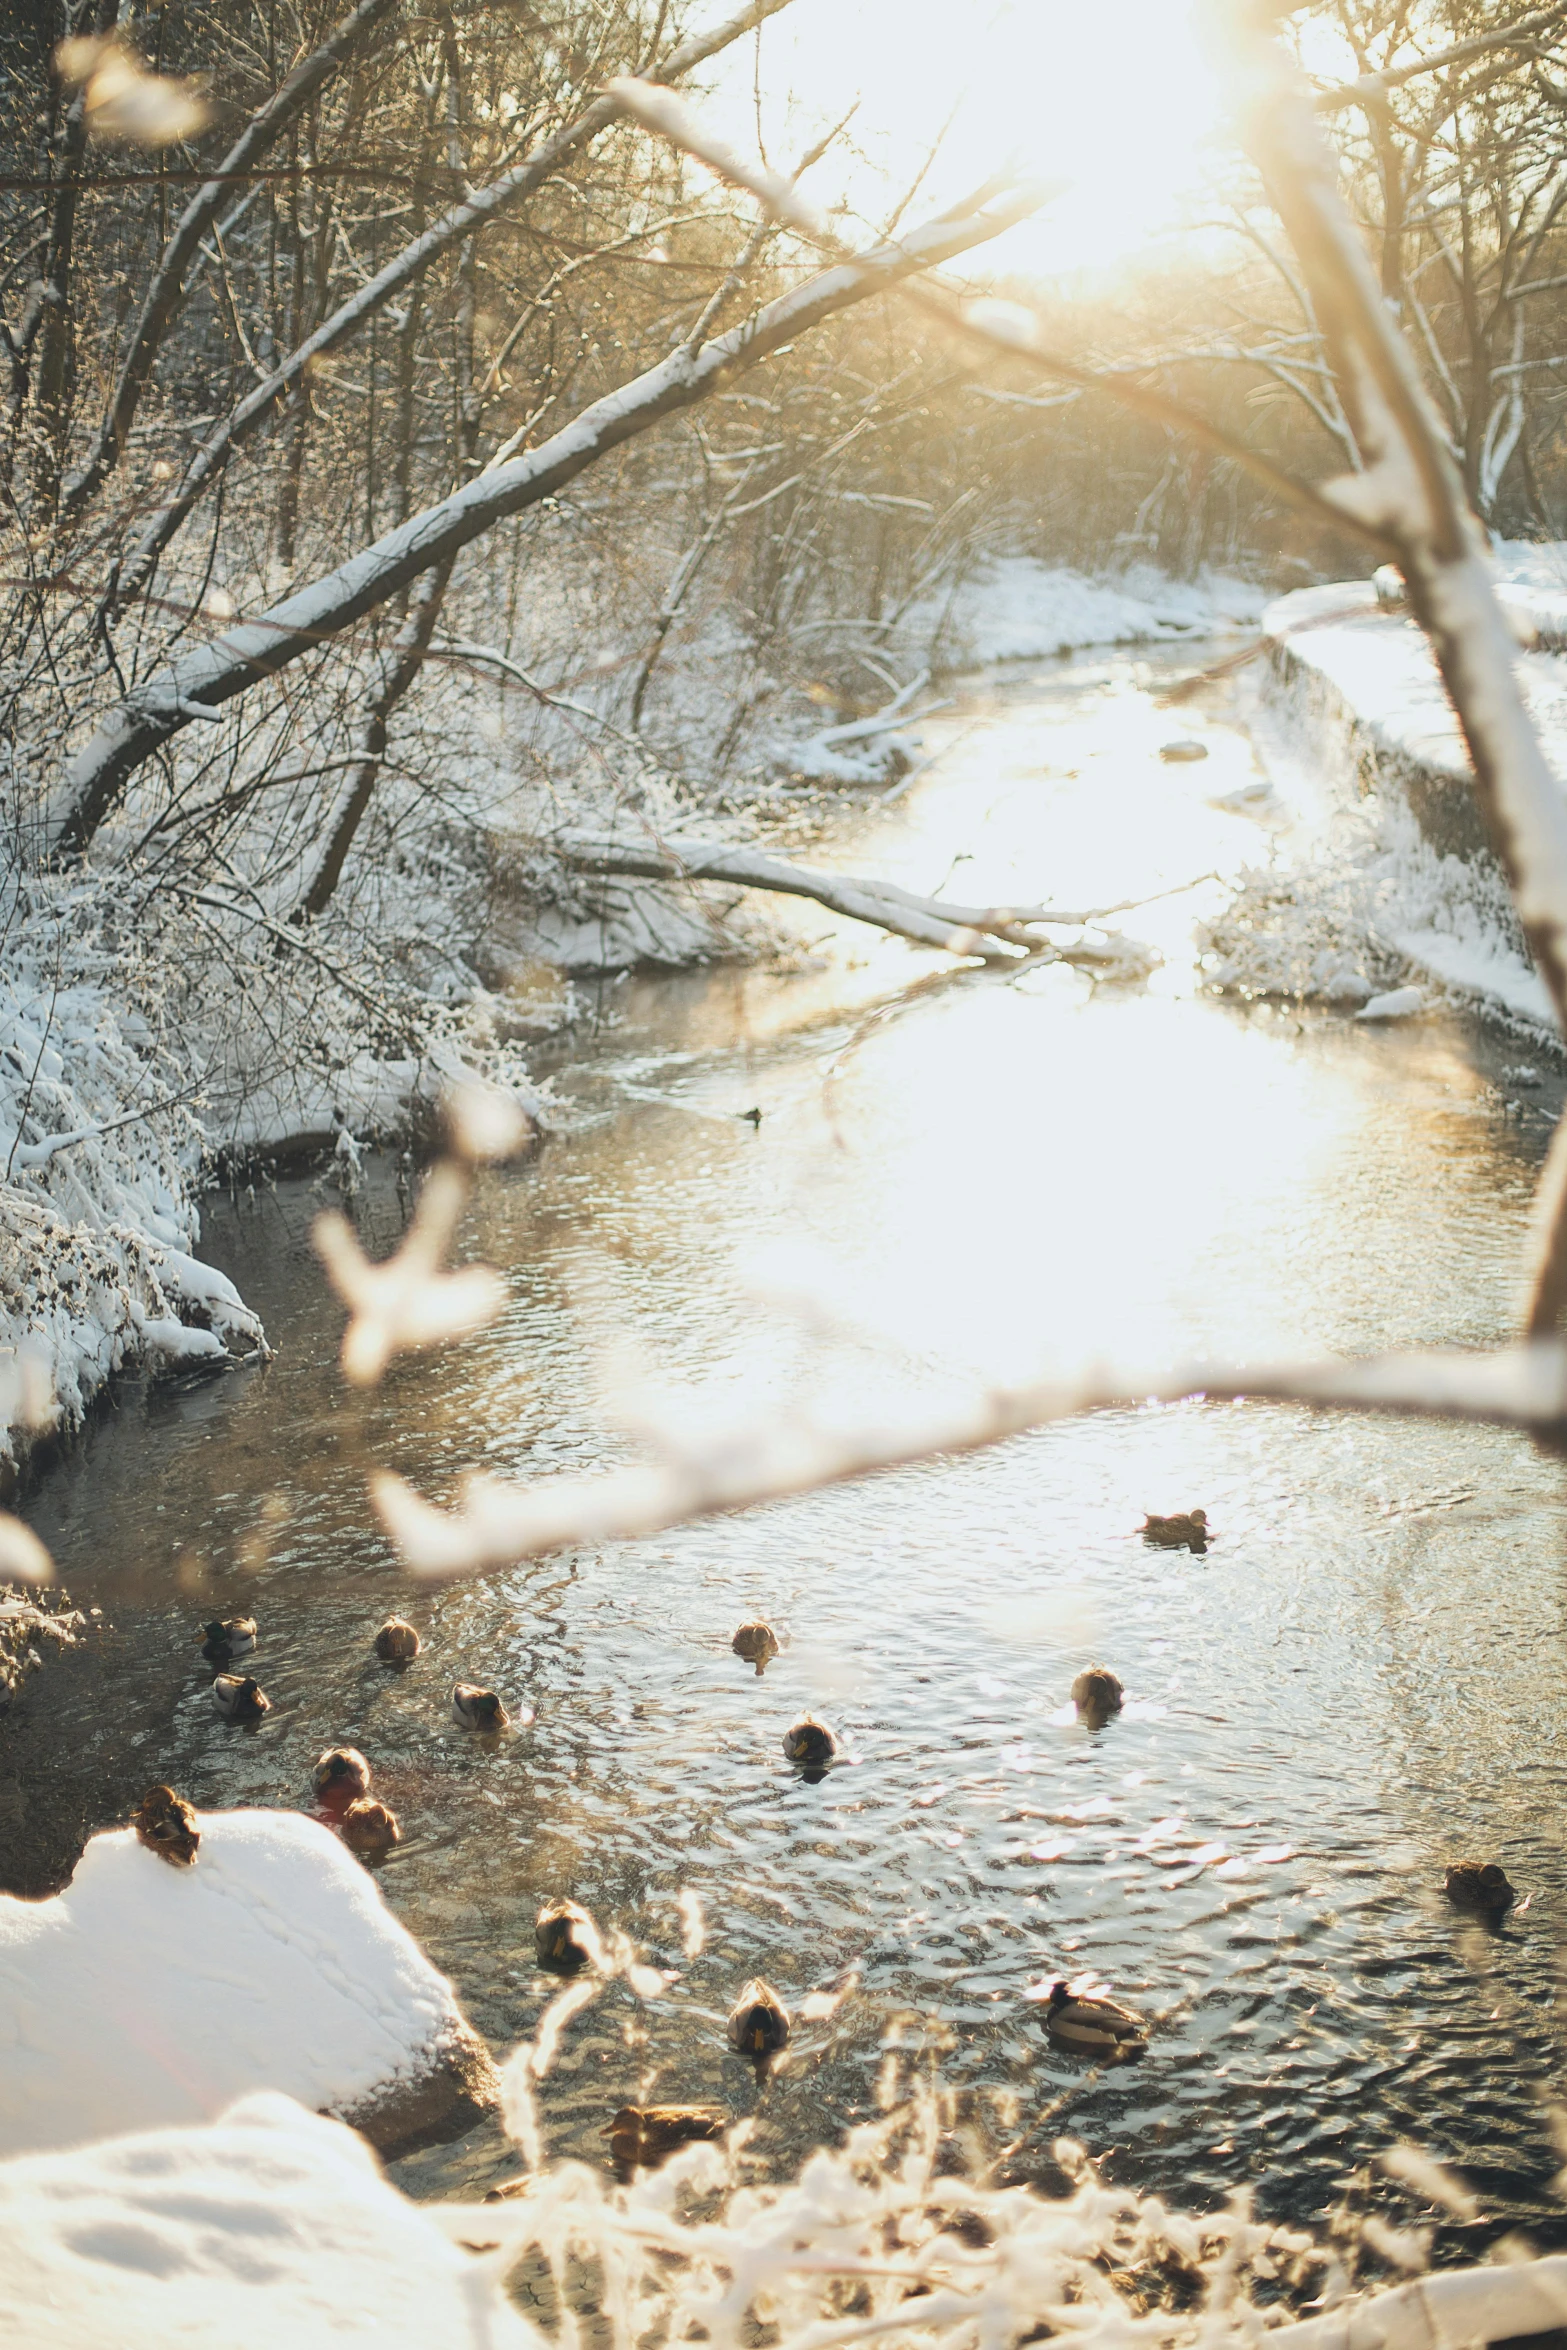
(566, 1937)
(397, 1643)
(240, 1699)
(810, 1742)
(1097, 1694)
(167, 1826)
(642, 2136)
(1100, 2027)
(758, 1644)
(759, 2020)
(1186, 1530)
(368, 1827)
(340, 1776)
(221, 1641)
(1482, 1886)
(474, 1708)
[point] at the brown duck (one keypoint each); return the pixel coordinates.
(1097, 1694)
(397, 1643)
(166, 1824)
(368, 1827)
(758, 2021)
(758, 1644)
(1186, 1530)
(340, 1777)
(642, 2136)
(1480, 1885)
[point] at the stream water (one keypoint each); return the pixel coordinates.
(952, 1175)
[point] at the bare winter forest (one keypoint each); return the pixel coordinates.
(416, 463)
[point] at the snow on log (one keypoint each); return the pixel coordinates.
(932, 922)
(214, 673)
(271, 2225)
(145, 1995)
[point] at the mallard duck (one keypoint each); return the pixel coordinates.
(397, 1643)
(340, 1776)
(1481, 1885)
(759, 2020)
(240, 1699)
(368, 1826)
(642, 2136)
(758, 1644)
(1098, 2025)
(1097, 1694)
(221, 1641)
(566, 1937)
(167, 1826)
(474, 1708)
(1186, 1530)
(810, 1742)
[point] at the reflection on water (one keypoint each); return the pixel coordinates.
(1361, 1680)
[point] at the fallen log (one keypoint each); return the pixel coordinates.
(996, 933)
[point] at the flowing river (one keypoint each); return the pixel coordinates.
(955, 1175)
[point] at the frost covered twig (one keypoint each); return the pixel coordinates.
(496, 1524)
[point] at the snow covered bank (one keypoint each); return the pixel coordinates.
(146, 1995)
(1015, 608)
(269, 2226)
(1389, 877)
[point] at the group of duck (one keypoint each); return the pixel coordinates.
(566, 1936)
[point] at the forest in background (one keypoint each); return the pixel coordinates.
(286, 292)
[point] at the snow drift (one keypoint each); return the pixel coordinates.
(146, 1995)
(1389, 877)
(269, 2226)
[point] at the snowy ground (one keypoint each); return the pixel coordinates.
(1385, 879)
(269, 2226)
(146, 1995)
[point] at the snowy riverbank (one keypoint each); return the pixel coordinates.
(1386, 877)
(148, 1026)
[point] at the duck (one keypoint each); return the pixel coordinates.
(1186, 1530)
(166, 1824)
(224, 1639)
(340, 1776)
(369, 1827)
(567, 1938)
(240, 1699)
(757, 1643)
(474, 1708)
(810, 1742)
(397, 1643)
(1097, 1694)
(642, 2136)
(1480, 1885)
(758, 2021)
(1101, 2026)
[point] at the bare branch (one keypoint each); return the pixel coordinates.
(1369, 88)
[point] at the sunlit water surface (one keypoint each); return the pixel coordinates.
(979, 1172)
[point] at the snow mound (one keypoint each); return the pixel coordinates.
(1391, 880)
(146, 1995)
(268, 2226)
(1015, 608)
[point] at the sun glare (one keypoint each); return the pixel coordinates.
(1122, 114)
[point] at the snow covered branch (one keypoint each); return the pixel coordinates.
(960, 930)
(460, 222)
(495, 1524)
(215, 673)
